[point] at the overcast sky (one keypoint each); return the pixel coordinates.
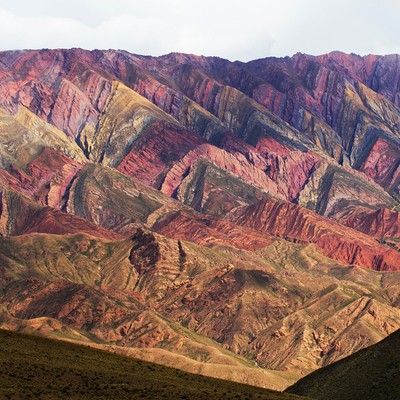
(233, 29)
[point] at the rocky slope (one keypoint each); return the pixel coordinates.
(130, 292)
(370, 373)
(44, 368)
(297, 224)
(190, 208)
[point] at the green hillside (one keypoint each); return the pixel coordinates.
(32, 367)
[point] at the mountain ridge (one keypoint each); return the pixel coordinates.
(176, 197)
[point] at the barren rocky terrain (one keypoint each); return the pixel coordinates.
(238, 220)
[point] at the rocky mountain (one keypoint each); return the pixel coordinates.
(240, 220)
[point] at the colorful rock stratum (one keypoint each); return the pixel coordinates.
(238, 220)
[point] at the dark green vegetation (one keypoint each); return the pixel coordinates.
(32, 367)
(372, 373)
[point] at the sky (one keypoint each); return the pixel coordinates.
(236, 30)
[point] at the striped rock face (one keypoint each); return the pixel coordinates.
(230, 214)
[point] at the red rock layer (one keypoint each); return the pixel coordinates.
(380, 223)
(382, 163)
(209, 231)
(295, 223)
(58, 86)
(290, 170)
(235, 164)
(19, 216)
(17, 181)
(51, 175)
(48, 220)
(152, 156)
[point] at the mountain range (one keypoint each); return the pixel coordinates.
(238, 220)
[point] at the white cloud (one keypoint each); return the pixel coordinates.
(232, 29)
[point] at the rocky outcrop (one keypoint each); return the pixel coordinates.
(151, 157)
(297, 224)
(210, 232)
(116, 201)
(236, 164)
(20, 216)
(52, 175)
(382, 223)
